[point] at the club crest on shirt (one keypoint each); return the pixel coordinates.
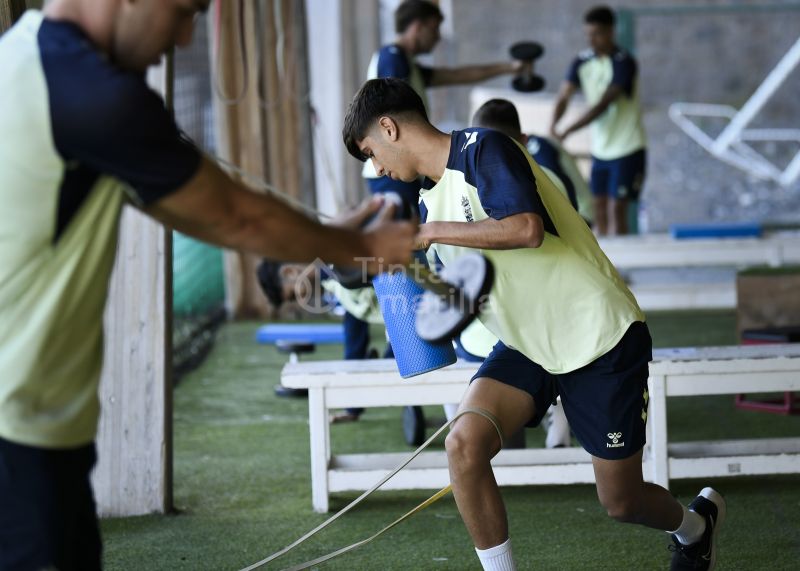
(467, 209)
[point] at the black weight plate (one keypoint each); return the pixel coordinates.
(526, 51)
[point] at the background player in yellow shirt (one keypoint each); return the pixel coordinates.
(608, 77)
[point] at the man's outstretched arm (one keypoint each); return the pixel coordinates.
(214, 208)
(473, 73)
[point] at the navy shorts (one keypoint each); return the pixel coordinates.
(605, 401)
(619, 178)
(47, 511)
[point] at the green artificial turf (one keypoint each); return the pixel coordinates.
(242, 483)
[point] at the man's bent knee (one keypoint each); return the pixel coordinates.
(464, 451)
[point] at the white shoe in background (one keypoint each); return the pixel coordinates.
(557, 427)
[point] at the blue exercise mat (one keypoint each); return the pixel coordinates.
(321, 333)
(731, 230)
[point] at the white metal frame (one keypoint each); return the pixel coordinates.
(732, 144)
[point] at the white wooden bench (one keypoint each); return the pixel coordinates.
(720, 371)
(649, 251)
(674, 372)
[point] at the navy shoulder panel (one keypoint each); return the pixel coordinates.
(572, 73)
(108, 120)
(393, 62)
(624, 70)
(498, 168)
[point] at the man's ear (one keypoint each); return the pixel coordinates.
(388, 128)
(290, 271)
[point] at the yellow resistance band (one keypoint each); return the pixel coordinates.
(444, 491)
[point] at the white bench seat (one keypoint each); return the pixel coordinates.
(662, 251)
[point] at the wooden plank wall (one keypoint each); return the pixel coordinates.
(10, 11)
(134, 441)
(267, 133)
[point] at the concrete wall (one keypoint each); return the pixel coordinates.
(701, 57)
(698, 56)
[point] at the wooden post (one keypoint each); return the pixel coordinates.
(10, 11)
(134, 440)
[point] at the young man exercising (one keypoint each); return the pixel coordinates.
(567, 323)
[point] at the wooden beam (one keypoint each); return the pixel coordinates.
(134, 440)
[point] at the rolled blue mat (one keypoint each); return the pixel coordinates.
(716, 230)
(398, 296)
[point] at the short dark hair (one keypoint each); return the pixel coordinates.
(270, 280)
(602, 15)
(378, 97)
(498, 114)
(412, 10)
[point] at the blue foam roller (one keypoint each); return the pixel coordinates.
(731, 230)
(321, 333)
(398, 296)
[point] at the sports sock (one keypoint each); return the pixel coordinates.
(691, 528)
(497, 558)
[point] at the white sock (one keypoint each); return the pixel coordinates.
(691, 528)
(497, 558)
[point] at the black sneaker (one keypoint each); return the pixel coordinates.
(703, 554)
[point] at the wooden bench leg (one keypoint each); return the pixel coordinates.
(657, 426)
(320, 448)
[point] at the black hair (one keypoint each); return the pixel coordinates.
(412, 10)
(498, 114)
(269, 278)
(376, 98)
(602, 15)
